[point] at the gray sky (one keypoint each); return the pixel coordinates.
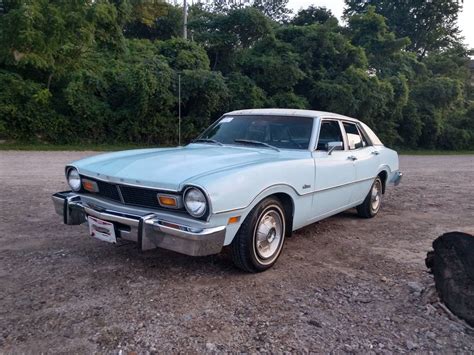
(466, 19)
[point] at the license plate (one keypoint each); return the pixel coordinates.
(102, 230)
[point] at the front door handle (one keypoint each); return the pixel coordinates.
(375, 152)
(352, 157)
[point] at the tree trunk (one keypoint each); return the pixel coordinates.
(452, 264)
(50, 77)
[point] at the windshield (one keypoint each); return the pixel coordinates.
(276, 131)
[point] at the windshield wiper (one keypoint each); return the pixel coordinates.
(206, 140)
(248, 141)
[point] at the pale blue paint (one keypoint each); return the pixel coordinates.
(237, 178)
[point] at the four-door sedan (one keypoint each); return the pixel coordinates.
(247, 182)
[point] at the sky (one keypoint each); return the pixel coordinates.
(466, 18)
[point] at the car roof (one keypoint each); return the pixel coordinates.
(290, 112)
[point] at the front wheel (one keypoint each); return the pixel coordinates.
(371, 205)
(259, 241)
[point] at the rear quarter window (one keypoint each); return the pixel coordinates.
(371, 135)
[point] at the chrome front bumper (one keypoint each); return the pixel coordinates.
(149, 230)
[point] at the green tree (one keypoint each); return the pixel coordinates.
(370, 31)
(107, 70)
(312, 15)
(182, 54)
(204, 97)
(430, 25)
(277, 10)
(223, 35)
(434, 102)
(273, 65)
(154, 20)
(130, 99)
(26, 112)
(47, 39)
(244, 93)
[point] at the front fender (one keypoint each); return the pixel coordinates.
(237, 192)
(301, 208)
(238, 188)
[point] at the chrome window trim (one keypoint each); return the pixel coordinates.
(313, 142)
(321, 120)
(346, 138)
(365, 136)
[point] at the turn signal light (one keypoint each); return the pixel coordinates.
(90, 186)
(168, 201)
(234, 219)
(171, 225)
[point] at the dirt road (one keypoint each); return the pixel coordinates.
(344, 284)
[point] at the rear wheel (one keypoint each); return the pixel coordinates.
(371, 205)
(259, 241)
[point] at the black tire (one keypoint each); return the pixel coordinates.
(366, 209)
(244, 250)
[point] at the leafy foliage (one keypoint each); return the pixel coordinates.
(106, 71)
(430, 25)
(276, 10)
(313, 15)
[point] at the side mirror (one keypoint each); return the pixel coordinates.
(334, 146)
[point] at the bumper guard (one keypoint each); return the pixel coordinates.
(397, 178)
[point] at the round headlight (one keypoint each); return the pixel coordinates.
(195, 202)
(74, 180)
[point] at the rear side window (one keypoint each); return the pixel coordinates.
(330, 132)
(355, 139)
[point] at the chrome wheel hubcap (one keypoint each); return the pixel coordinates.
(269, 234)
(376, 196)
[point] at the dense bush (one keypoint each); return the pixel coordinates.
(107, 71)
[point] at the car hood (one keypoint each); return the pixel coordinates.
(169, 168)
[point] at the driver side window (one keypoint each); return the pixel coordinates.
(330, 132)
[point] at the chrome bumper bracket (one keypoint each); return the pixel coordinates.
(397, 178)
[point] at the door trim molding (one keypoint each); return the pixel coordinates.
(345, 184)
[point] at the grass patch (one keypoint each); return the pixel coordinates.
(125, 146)
(436, 152)
(71, 147)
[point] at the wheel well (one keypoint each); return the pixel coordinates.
(383, 176)
(289, 207)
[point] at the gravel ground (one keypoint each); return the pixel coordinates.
(342, 285)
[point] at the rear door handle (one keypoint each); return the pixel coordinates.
(375, 152)
(352, 157)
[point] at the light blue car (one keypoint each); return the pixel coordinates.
(247, 182)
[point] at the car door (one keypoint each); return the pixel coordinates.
(365, 159)
(334, 172)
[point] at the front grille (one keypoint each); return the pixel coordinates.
(135, 196)
(108, 190)
(139, 196)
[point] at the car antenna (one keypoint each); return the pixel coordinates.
(179, 110)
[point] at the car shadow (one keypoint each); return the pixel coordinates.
(153, 262)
